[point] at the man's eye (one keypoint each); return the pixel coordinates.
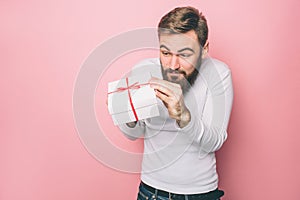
(185, 55)
(166, 53)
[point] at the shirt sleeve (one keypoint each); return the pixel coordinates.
(209, 126)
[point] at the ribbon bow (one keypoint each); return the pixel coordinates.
(135, 85)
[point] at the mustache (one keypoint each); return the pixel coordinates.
(175, 71)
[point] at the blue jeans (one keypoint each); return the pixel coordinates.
(145, 194)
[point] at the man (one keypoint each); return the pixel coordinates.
(195, 97)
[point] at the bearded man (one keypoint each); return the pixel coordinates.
(195, 96)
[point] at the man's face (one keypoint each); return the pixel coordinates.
(179, 57)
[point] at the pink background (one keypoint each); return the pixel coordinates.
(43, 45)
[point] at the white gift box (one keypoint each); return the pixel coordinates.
(132, 99)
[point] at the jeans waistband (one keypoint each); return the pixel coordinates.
(212, 195)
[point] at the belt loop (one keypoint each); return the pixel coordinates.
(170, 196)
(155, 194)
(186, 197)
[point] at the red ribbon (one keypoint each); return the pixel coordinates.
(135, 85)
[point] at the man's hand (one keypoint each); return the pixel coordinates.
(131, 124)
(172, 96)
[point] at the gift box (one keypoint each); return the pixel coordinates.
(132, 99)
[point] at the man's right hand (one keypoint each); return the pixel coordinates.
(131, 124)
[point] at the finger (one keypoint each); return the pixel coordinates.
(161, 85)
(153, 79)
(162, 96)
(168, 84)
(162, 89)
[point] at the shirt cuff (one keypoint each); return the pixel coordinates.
(195, 128)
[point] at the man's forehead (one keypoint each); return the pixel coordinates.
(179, 41)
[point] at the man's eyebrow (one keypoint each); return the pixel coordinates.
(181, 50)
(187, 48)
(164, 46)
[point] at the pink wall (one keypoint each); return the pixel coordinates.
(43, 45)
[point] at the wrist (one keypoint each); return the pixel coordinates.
(185, 118)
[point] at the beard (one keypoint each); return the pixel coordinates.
(187, 81)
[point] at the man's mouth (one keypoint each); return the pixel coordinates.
(175, 76)
(175, 73)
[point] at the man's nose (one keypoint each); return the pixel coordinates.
(174, 62)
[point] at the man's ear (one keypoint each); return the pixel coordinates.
(205, 49)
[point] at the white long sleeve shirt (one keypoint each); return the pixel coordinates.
(182, 160)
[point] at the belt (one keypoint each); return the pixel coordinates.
(212, 195)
